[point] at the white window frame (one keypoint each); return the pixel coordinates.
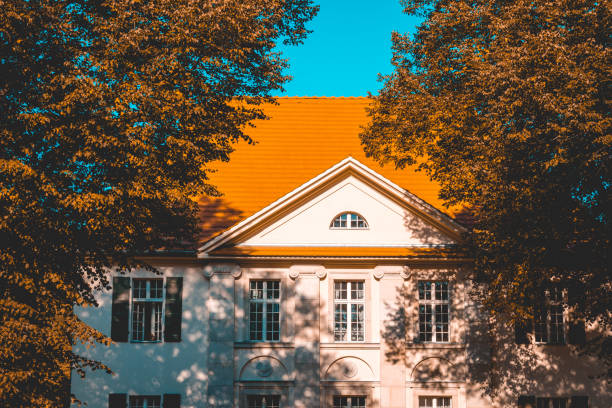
(433, 303)
(265, 302)
(348, 302)
(134, 300)
(552, 402)
(280, 399)
(350, 401)
(552, 301)
(349, 219)
(146, 402)
(435, 401)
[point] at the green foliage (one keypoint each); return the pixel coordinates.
(111, 112)
(507, 105)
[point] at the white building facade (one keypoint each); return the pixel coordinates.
(347, 292)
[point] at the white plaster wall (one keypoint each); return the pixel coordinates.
(389, 223)
(151, 368)
(215, 363)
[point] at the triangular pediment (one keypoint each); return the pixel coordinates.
(303, 218)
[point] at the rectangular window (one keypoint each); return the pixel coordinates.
(349, 311)
(148, 401)
(548, 321)
(355, 401)
(147, 309)
(263, 401)
(264, 310)
(551, 402)
(434, 402)
(434, 310)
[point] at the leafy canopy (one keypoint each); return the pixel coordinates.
(507, 105)
(111, 112)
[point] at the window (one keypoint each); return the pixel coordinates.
(264, 310)
(358, 401)
(144, 401)
(434, 402)
(434, 309)
(149, 401)
(548, 321)
(147, 307)
(146, 310)
(263, 401)
(349, 311)
(349, 220)
(530, 401)
(551, 403)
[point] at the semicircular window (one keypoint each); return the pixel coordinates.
(349, 220)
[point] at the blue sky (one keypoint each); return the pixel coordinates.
(350, 44)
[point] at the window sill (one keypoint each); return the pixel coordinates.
(433, 345)
(550, 344)
(146, 342)
(350, 345)
(262, 344)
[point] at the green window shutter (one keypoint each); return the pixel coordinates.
(526, 401)
(117, 400)
(577, 332)
(580, 401)
(174, 309)
(120, 309)
(172, 401)
(520, 332)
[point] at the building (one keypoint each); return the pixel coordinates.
(321, 282)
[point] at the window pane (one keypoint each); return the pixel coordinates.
(272, 321)
(556, 325)
(156, 321)
(343, 218)
(424, 290)
(357, 290)
(341, 402)
(340, 290)
(556, 294)
(263, 401)
(425, 323)
(340, 322)
(273, 289)
(543, 403)
(256, 321)
(358, 402)
(138, 317)
(256, 290)
(357, 319)
(559, 402)
(425, 402)
(157, 288)
(441, 322)
(139, 289)
(434, 402)
(540, 326)
(441, 290)
(137, 401)
(444, 402)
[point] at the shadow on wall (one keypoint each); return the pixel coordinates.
(491, 358)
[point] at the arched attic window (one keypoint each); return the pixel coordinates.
(349, 220)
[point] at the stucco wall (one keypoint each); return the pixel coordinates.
(215, 365)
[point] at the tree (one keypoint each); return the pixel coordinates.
(111, 112)
(507, 105)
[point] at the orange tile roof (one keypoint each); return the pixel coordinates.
(450, 253)
(303, 137)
